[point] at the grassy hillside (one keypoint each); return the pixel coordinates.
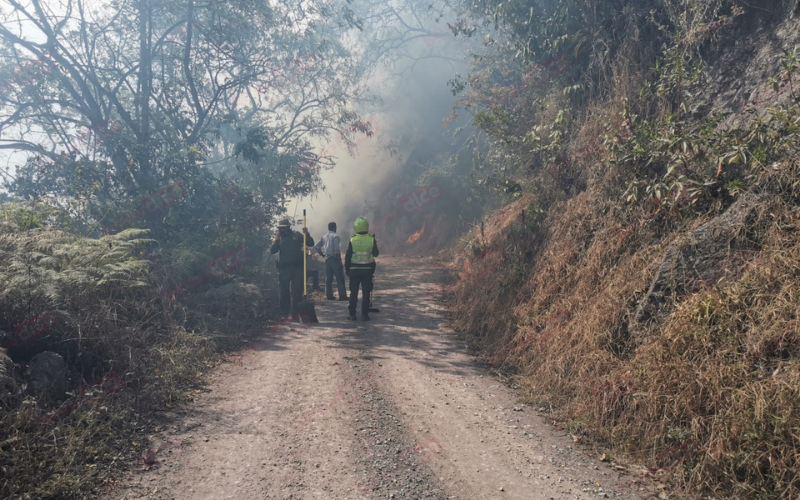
(643, 283)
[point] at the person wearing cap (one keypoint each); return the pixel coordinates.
(359, 264)
(290, 265)
(329, 247)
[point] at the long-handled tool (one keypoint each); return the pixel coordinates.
(306, 311)
(373, 309)
(372, 295)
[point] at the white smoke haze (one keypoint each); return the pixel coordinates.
(411, 120)
(354, 183)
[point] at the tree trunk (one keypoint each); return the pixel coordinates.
(145, 90)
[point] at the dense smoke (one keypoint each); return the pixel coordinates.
(410, 130)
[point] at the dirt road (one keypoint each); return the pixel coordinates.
(392, 408)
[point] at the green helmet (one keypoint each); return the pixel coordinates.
(284, 223)
(361, 225)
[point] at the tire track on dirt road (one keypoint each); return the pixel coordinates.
(392, 408)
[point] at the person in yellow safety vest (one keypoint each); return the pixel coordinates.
(359, 265)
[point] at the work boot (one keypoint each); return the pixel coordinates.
(352, 316)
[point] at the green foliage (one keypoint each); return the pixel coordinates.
(791, 66)
(229, 140)
(494, 121)
(676, 159)
(512, 78)
(46, 266)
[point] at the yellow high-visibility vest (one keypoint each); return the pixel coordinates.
(362, 250)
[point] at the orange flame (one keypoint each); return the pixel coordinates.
(416, 236)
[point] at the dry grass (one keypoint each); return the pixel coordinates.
(72, 455)
(709, 398)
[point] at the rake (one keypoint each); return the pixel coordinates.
(306, 312)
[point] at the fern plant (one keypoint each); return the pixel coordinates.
(43, 267)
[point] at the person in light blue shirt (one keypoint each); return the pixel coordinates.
(329, 247)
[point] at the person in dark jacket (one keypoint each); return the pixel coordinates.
(290, 265)
(359, 264)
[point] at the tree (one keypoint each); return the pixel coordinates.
(125, 99)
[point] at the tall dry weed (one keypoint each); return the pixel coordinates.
(709, 397)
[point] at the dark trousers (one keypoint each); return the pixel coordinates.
(333, 266)
(362, 277)
(290, 278)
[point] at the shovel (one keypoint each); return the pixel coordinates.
(372, 295)
(305, 309)
(373, 309)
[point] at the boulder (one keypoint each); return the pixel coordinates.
(47, 375)
(7, 385)
(720, 249)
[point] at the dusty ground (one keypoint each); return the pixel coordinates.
(392, 408)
